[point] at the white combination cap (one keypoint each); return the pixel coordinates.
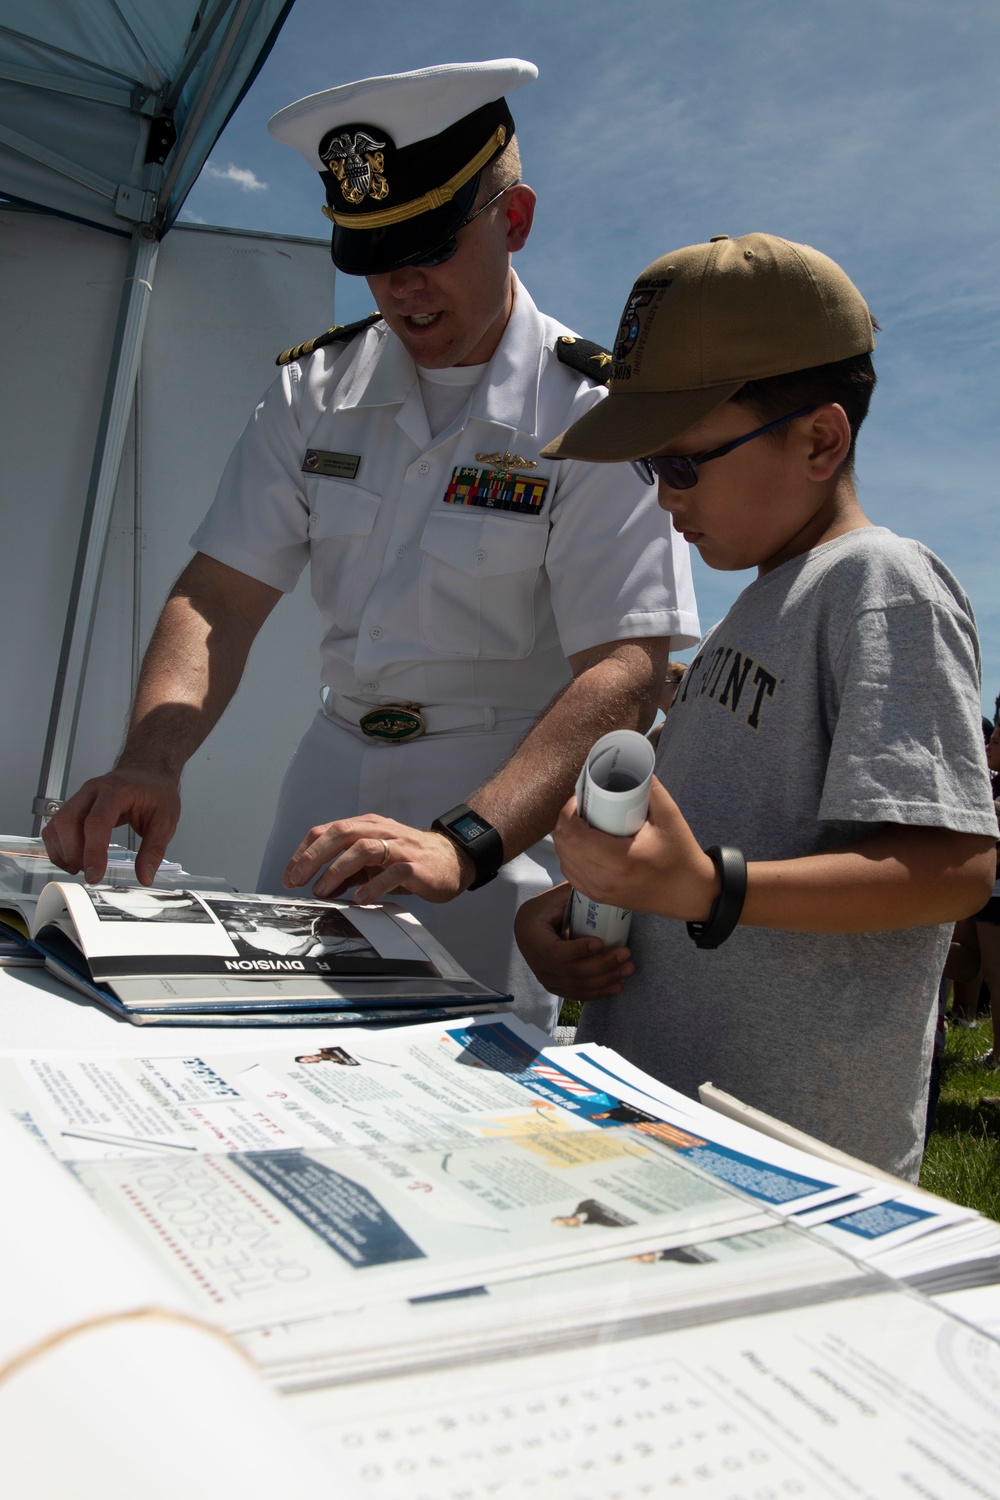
(409, 107)
(400, 156)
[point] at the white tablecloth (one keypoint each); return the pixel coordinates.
(37, 1011)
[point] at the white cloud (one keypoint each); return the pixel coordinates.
(187, 216)
(242, 176)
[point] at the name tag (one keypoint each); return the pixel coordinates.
(496, 489)
(331, 465)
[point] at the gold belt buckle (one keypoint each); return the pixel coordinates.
(393, 722)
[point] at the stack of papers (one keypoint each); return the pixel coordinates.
(476, 1262)
(888, 1225)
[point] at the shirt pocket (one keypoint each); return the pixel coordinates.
(341, 518)
(478, 580)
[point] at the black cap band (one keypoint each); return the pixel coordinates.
(391, 204)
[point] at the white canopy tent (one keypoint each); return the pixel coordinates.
(109, 109)
(107, 114)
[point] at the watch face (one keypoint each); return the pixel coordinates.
(467, 828)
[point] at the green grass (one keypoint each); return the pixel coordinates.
(962, 1160)
(569, 1014)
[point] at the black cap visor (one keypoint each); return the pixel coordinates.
(372, 252)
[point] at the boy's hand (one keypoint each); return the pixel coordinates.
(660, 869)
(575, 968)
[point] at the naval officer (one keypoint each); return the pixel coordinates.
(488, 612)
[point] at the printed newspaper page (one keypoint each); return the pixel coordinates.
(424, 1159)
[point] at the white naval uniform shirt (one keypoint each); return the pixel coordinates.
(436, 603)
(430, 602)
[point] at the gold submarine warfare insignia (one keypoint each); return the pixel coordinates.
(506, 460)
(358, 164)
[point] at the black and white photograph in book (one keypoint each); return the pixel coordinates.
(292, 929)
(129, 903)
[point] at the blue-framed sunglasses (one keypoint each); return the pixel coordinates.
(682, 473)
(449, 248)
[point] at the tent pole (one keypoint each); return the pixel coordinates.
(118, 395)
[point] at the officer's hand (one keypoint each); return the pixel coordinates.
(661, 869)
(77, 837)
(428, 864)
(575, 968)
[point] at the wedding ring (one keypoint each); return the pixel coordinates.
(385, 852)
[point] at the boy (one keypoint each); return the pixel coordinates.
(827, 729)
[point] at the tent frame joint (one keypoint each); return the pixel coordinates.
(134, 204)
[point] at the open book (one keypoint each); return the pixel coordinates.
(184, 957)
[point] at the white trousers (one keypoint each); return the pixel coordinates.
(337, 772)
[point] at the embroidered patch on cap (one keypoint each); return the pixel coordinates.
(496, 489)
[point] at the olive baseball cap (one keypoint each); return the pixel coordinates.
(702, 321)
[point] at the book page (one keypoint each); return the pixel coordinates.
(883, 1396)
(129, 930)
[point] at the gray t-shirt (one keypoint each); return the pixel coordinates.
(840, 693)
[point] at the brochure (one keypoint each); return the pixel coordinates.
(182, 956)
(405, 1163)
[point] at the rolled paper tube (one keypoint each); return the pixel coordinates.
(612, 794)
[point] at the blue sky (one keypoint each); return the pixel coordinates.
(865, 127)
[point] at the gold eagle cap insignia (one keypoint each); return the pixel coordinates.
(358, 163)
(507, 460)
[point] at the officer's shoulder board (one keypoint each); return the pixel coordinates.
(340, 333)
(585, 358)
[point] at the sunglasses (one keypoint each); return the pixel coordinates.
(682, 473)
(448, 249)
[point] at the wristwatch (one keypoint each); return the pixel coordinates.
(479, 839)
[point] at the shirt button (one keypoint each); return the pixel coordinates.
(371, 686)
(423, 466)
(400, 551)
(313, 517)
(480, 557)
(376, 632)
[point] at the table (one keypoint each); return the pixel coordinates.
(39, 1012)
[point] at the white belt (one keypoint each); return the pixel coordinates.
(436, 716)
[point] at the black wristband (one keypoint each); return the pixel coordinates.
(480, 840)
(728, 904)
